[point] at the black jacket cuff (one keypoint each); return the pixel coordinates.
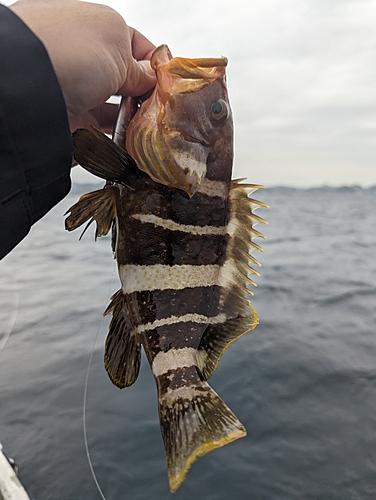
(35, 142)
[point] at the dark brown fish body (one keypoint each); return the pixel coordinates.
(182, 253)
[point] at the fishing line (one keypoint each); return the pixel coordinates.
(13, 315)
(85, 394)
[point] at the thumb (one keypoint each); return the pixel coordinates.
(139, 80)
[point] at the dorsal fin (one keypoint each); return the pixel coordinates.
(217, 338)
(240, 317)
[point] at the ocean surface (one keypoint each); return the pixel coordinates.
(303, 382)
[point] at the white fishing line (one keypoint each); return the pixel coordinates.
(12, 313)
(85, 395)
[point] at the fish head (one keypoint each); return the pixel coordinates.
(186, 122)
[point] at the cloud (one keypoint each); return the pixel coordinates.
(301, 79)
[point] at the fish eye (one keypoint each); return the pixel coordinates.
(219, 110)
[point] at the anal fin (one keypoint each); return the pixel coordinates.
(122, 357)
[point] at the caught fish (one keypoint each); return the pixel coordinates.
(182, 232)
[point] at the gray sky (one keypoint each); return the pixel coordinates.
(301, 78)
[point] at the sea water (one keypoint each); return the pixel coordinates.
(303, 382)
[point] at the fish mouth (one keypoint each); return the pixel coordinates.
(182, 75)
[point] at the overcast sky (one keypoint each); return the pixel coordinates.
(301, 78)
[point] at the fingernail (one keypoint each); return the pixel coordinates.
(147, 68)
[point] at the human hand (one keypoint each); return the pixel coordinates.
(94, 54)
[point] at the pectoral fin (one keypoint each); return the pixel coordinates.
(122, 355)
(100, 156)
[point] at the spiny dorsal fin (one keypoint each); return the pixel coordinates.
(236, 266)
(239, 316)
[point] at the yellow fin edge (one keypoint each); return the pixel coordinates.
(176, 480)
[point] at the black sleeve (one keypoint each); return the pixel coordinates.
(35, 142)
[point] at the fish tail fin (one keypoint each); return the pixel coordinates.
(194, 420)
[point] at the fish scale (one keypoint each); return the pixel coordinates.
(182, 242)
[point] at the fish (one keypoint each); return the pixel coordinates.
(182, 233)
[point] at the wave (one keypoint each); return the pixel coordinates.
(322, 189)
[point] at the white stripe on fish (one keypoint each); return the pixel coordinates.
(185, 228)
(135, 278)
(175, 359)
(213, 188)
(172, 320)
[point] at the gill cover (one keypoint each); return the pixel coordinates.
(171, 135)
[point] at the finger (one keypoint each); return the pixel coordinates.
(86, 120)
(103, 117)
(140, 79)
(106, 115)
(142, 48)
